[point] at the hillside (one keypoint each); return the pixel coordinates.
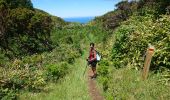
(42, 56)
(120, 72)
(24, 29)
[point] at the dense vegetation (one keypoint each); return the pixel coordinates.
(29, 56)
(37, 48)
(148, 24)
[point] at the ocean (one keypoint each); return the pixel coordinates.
(82, 20)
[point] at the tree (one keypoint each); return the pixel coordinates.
(20, 3)
(3, 25)
(23, 29)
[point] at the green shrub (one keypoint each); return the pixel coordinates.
(132, 40)
(7, 94)
(25, 30)
(56, 71)
(103, 72)
(23, 78)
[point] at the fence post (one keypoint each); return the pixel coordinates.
(149, 54)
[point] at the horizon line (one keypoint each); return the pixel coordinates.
(78, 17)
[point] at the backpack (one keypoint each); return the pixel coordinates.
(98, 56)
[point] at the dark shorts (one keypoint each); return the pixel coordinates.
(93, 63)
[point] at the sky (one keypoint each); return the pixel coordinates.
(75, 8)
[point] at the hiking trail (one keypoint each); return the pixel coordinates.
(93, 90)
(74, 86)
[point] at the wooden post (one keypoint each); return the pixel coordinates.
(149, 54)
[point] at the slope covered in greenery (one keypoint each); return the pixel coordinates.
(24, 30)
(120, 72)
(29, 57)
(38, 49)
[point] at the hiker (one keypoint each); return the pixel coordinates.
(92, 59)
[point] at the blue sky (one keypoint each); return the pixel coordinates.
(75, 8)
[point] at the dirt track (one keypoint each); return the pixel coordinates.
(93, 90)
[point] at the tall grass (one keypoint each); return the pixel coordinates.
(72, 87)
(127, 84)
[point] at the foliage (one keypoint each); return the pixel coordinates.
(25, 30)
(30, 74)
(160, 6)
(34, 72)
(131, 40)
(113, 19)
(19, 3)
(56, 71)
(72, 87)
(17, 78)
(126, 84)
(6, 94)
(134, 37)
(126, 52)
(27, 33)
(125, 9)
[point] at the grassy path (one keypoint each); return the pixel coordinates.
(73, 87)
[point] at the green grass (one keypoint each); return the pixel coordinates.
(72, 87)
(127, 84)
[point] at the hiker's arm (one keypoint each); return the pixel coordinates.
(88, 56)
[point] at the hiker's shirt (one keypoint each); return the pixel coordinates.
(92, 55)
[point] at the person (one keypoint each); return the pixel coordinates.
(92, 60)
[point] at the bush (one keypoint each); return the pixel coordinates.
(18, 77)
(56, 71)
(132, 40)
(103, 72)
(24, 30)
(6, 94)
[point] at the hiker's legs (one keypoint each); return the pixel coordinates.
(93, 67)
(94, 71)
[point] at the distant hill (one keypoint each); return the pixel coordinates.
(24, 29)
(126, 9)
